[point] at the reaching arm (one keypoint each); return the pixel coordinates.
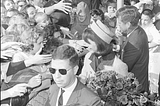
(65, 7)
(17, 90)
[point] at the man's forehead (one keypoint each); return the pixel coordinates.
(58, 63)
(59, 60)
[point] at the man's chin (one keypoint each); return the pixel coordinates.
(60, 85)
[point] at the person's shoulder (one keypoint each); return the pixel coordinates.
(53, 87)
(138, 35)
(85, 91)
(88, 96)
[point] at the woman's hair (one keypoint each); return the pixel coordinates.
(102, 47)
(148, 12)
(29, 37)
(97, 12)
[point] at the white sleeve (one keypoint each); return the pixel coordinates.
(155, 34)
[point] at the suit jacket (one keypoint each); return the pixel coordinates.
(136, 56)
(81, 96)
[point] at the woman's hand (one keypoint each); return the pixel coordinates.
(65, 7)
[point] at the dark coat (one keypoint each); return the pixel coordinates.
(81, 96)
(136, 56)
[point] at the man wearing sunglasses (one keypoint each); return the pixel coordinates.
(64, 66)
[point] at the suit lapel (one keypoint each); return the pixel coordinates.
(53, 95)
(73, 100)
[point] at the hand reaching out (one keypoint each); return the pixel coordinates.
(18, 90)
(65, 7)
(10, 44)
(35, 81)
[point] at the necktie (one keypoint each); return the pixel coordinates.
(60, 100)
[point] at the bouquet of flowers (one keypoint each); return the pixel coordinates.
(120, 91)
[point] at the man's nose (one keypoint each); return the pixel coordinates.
(57, 74)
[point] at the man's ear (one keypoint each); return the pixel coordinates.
(128, 25)
(76, 69)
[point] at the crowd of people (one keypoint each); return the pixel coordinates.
(51, 48)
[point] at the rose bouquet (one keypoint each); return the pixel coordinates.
(120, 91)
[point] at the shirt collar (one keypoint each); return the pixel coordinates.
(132, 31)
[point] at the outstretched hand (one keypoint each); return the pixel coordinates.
(41, 59)
(18, 90)
(10, 44)
(35, 81)
(65, 7)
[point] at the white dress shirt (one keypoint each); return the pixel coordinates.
(67, 93)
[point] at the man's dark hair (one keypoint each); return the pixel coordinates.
(129, 14)
(66, 52)
(148, 12)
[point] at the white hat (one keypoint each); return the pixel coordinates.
(101, 30)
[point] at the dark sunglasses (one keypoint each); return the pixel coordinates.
(61, 71)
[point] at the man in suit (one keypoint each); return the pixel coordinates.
(135, 51)
(64, 66)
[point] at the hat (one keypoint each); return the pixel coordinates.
(102, 31)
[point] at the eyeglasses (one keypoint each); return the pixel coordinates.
(61, 71)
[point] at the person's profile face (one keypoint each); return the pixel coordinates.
(61, 66)
(121, 25)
